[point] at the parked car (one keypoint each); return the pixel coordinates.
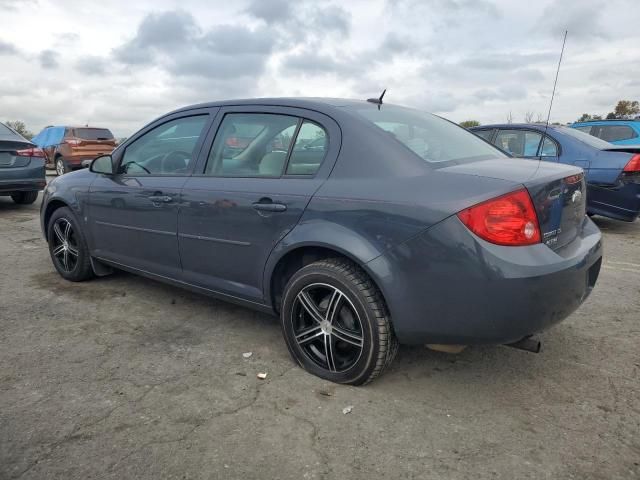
(612, 171)
(402, 227)
(67, 147)
(22, 173)
(618, 132)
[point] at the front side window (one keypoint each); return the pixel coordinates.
(251, 145)
(168, 149)
(521, 143)
(309, 150)
(432, 138)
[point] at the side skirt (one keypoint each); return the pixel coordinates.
(188, 286)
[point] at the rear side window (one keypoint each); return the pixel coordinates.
(486, 134)
(309, 150)
(614, 133)
(521, 143)
(584, 129)
(432, 138)
(92, 133)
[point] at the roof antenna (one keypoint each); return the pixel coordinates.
(377, 101)
(553, 93)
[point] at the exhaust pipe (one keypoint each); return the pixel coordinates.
(527, 343)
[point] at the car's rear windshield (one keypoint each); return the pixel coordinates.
(432, 138)
(93, 133)
(590, 140)
(5, 130)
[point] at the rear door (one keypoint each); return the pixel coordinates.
(248, 195)
(133, 215)
(527, 143)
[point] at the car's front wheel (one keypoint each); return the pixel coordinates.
(24, 198)
(68, 247)
(336, 324)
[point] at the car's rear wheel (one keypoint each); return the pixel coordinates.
(24, 198)
(336, 324)
(68, 247)
(61, 166)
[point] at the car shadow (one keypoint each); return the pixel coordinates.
(616, 227)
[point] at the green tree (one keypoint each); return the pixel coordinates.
(470, 123)
(626, 108)
(20, 127)
(585, 118)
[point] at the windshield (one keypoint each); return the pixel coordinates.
(590, 140)
(432, 138)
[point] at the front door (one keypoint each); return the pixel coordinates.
(133, 215)
(263, 168)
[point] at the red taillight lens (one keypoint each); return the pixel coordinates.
(30, 152)
(507, 220)
(633, 165)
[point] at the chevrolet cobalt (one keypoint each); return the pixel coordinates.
(361, 225)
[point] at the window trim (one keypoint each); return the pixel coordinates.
(149, 128)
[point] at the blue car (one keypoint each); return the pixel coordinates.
(612, 171)
(618, 132)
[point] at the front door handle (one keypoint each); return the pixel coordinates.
(269, 206)
(161, 199)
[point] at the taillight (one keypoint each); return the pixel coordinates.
(507, 220)
(633, 165)
(30, 152)
(72, 142)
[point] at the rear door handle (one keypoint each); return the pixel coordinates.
(269, 207)
(161, 199)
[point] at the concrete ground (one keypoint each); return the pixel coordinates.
(124, 378)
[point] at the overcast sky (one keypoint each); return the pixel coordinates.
(119, 64)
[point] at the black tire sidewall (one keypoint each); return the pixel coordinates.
(362, 369)
(79, 270)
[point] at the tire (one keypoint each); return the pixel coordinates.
(333, 306)
(61, 166)
(24, 198)
(65, 237)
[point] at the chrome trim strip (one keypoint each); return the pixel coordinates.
(137, 229)
(213, 239)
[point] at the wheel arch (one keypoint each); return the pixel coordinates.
(52, 206)
(285, 261)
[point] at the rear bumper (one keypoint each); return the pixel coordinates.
(23, 179)
(621, 203)
(448, 286)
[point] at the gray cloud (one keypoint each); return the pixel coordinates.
(271, 11)
(582, 19)
(92, 65)
(7, 48)
(311, 63)
(506, 61)
(48, 59)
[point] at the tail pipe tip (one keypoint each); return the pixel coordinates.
(528, 343)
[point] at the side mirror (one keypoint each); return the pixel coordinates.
(103, 164)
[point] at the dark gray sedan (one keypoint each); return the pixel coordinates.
(361, 225)
(22, 173)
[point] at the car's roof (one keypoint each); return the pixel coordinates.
(74, 126)
(535, 126)
(617, 121)
(314, 103)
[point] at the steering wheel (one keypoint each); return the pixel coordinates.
(168, 162)
(126, 167)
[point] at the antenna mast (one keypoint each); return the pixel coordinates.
(553, 93)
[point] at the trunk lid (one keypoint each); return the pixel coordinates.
(93, 140)
(8, 157)
(558, 193)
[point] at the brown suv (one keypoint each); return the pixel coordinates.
(67, 147)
